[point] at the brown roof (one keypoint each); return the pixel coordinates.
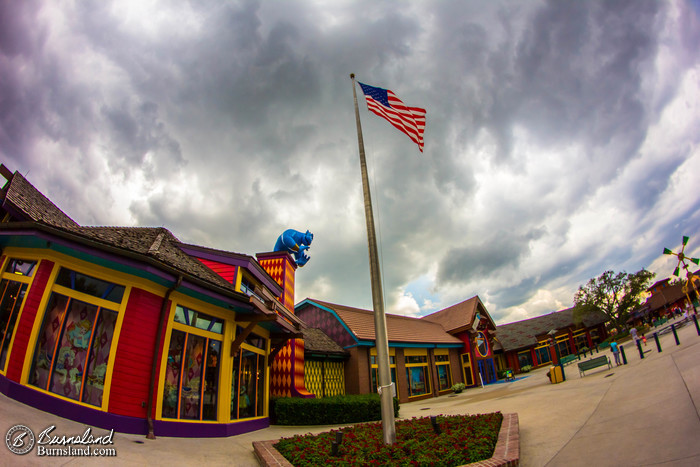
(20, 198)
(520, 334)
(157, 245)
(317, 341)
(667, 295)
(399, 328)
(460, 316)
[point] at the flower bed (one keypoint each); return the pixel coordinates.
(463, 439)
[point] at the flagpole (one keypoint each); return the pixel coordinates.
(381, 339)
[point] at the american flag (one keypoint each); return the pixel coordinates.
(410, 120)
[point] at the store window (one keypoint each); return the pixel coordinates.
(467, 369)
(524, 358)
(248, 378)
(73, 349)
(564, 346)
(581, 341)
(375, 369)
(418, 375)
(13, 288)
(442, 362)
(542, 354)
(191, 386)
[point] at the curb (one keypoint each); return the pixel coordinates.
(506, 453)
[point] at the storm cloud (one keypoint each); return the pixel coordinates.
(561, 137)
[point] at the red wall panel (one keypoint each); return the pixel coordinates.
(226, 271)
(134, 357)
(26, 320)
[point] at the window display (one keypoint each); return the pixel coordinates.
(417, 375)
(443, 371)
(72, 352)
(10, 303)
(191, 386)
(248, 385)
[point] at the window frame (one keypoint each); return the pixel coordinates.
(53, 288)
(7, 341)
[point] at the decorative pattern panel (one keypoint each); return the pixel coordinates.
(324, 378)
(328, 323)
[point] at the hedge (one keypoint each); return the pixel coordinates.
(328, 410)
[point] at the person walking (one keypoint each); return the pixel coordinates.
(616, 352)
(633, 333)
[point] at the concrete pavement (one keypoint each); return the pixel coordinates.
(643, 413)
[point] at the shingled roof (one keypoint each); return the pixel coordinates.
(399, 328)
(317, 342)
(524, 333)
(461, 316)
(29, 208)
(26, 203)
(667, 294)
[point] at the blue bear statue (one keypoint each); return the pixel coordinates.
(296, 243)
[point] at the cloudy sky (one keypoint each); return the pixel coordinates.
(561, 138)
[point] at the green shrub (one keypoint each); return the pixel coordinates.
(328, 410)
(525, 369)
(458, 387)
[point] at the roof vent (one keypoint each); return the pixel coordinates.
(156, 243)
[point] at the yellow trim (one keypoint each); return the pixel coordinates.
(198, 331)
(119, 308)
(392, 351)
(466, 366)
(178, 298)
(449, 372)
(91, 299)
(23, 280)
(164, 359)
(429, 387)
(38, 321)
(413, 352)
(88, 268)
(441, 352)
(223, 410)
(239, 278)
(18, 277)
(113, 348)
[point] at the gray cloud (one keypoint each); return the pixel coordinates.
(558, 140)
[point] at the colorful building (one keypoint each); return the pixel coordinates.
(472, 325)
(538, 341)
(130, 329)
(427, 355)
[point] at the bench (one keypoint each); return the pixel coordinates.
(593, 363)
(565, 360)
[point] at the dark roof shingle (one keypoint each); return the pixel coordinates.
(520, 334)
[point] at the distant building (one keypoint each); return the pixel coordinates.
(665, 297)
(427, 355)
(528, 342)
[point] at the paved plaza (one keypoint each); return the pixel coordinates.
(644, 413)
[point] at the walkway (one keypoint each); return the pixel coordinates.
(643, 413)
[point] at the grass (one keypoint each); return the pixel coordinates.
(463, 439)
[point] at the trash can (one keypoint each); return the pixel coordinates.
(555, 375)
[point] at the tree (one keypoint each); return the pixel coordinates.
(616, 295)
